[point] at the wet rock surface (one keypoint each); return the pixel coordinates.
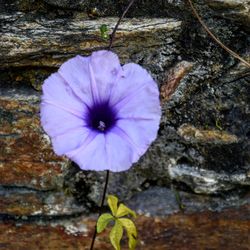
(191, 188)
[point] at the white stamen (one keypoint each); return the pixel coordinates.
(101, 126)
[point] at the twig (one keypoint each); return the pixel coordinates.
(100, 209)
(217, 40)
(118, 23)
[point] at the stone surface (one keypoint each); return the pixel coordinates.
(27, 204)
(161, 201)
(95, 8)
(42, 42)
(234, 10)
(202, 150)
(188, 78)
(205, 122)
(26, 158)
(228, 229)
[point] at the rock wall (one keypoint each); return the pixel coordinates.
(203, 144)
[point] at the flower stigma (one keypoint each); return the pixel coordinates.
(101, 117)
(101, 126)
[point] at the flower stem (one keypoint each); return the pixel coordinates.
(112, 38)
(118, 22)
(100, 209)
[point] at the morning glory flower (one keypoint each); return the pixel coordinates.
(101, 115)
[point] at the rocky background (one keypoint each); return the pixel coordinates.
(191, 189)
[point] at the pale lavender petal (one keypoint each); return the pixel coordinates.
(92, 155)
(133, 80)
(144, 105)
(104, 70)
(105, 152)
(56, 121)
(120, 153)
(70, 140)
(136, 94)
(136, 100)
(75, 72)
(57, 92)
(140, 132)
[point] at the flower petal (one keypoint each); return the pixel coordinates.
(57, 92)
(140, 133)
(120, 154)
(136, 95)
(104, 69)
(75, 72)
(136, 98)
(105, 152)
(69, 141)
(56, 121)
(91, 155)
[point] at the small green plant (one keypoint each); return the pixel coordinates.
(104, 31)
(178, 198)
(218, 124)
(117, 216)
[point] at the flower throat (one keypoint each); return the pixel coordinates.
(101, 117)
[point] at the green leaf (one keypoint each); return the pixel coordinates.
(123, 210)
(104, 30)
(103, 221)
(131, 231)
(116, 235)
(112, 202)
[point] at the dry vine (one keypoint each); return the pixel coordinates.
(217, 40)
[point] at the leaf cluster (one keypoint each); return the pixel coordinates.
(120, 223)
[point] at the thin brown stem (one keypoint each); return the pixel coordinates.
(101, 207)
(118, 23)
(217, 40)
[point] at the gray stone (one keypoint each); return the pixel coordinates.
(160, 201)
(206, 181)
(234, 10)
(48, 43)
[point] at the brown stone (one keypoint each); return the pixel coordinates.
(30, 203)
(173, 78)
(30, 174)
(228, 229)
(191, 133)
(26, 157)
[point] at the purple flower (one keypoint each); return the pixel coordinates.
(101, 115)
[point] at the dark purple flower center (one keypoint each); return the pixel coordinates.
(101, 117)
